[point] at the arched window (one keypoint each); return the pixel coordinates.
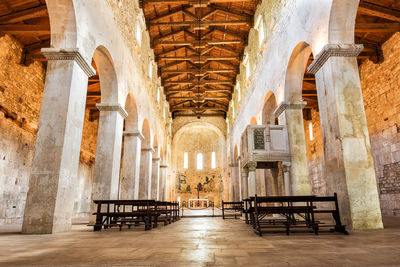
(185, 160)
(199, 161)
(213, 163)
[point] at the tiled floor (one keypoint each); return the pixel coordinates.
(200, 242)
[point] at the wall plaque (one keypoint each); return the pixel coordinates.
(259, 139)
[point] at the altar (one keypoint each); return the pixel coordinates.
(202, 200)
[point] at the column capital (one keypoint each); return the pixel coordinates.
(334, 50)
(233, 165)
(112, 107)
(136, 133)
(288, 105)
(69, 54)
(286, 166)
(156, 159)
(163, 165)
(148, 149)
(252, 166)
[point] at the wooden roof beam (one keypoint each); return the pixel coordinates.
(30, 13)
(370, 9)
(203, 23)
(25, 29)
(377, 27)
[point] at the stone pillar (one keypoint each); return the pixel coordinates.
(50, 199)
(349, 167)
(146, 162)
(239, 180)
(245, 190)
(131, 165)
(163, 182)
(251, 166)
(233, 180)
(292, 115)
(286, 178)
(260, 182)
(108, 153)
(155, 179)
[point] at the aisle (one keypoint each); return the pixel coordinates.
(199, 242)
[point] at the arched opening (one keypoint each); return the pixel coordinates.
(146, 160)
(253, 121)
(106, 173)
(292, 116)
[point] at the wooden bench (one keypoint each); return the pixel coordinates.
(295, 212)
(166, 212)
(118, 213)
(236, 207)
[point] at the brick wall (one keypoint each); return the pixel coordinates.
(21, 90)
(381, 90)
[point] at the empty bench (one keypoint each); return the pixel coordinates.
(117, 213)
(294, 212)
(236, 207)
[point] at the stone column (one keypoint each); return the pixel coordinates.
(146, 162)
(131, 165)
(108, 153)
(155, 179)
(260, 182)
(163, 182)
(245, 190)
(286, 178)
(349, 167)
(233, 179)
(50, 199)
(239, 180)
(251, 166)
(291, 114)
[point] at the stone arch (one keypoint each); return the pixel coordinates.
(131, 122)
(342, 21)
(107, 75)
(269, 107)
(253, 121)
(62, 23)
(295, 72)
(146, 133)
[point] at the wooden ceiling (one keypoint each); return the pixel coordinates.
(376, 22)
(198, 46)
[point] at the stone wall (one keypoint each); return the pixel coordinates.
(21, 89)
(381, 84)
(315, 154)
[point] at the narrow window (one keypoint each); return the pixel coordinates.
(150, 69)
(199, 161)
(310, 129)
(213, 160)
(139, 34)
(185, 160)
(158, 95)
